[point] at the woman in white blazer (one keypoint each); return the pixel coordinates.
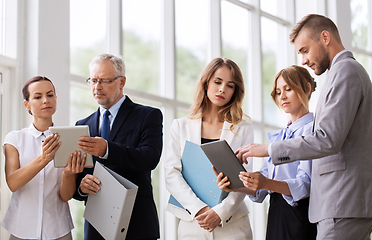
(216, 114)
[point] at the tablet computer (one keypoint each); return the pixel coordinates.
(224, 160)
(69, 136)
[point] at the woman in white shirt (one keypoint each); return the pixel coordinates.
(38, 208)
(215, 114)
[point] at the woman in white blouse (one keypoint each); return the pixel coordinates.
(38, 208)
(215, 114)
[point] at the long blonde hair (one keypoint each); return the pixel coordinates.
(232, 112)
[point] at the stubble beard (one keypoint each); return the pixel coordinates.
(323, 61)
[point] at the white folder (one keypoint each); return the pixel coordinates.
(109, 211)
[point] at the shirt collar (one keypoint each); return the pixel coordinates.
(337, 55)
(301, 122)
(36, 133)
(272, 136)
(114, 109)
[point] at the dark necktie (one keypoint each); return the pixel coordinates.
(105, 128)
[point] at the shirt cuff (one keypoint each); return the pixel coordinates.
(82, 194)
(106, 154)
(269, 149)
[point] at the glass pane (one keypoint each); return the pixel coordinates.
(141, 26)
(2, 17)
(181, 113)
(365, 60)
(359, 24)
(274, 7)
(191, 45)
(87, 33)
(235, 40)
(77, 209)
(82, 103)
(273, 59)
(8, 28)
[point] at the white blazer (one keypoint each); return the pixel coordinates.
(233, 206)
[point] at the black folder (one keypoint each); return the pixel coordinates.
(224, 160)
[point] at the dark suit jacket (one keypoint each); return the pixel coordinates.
(135, 145)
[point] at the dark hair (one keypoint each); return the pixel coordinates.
(315, 24)
(298, 79)
(26, 93)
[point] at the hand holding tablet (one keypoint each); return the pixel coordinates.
(224, 160)
(69, 136)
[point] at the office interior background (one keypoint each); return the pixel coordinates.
(165, 45)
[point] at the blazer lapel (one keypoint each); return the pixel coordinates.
(123, 112)
(94, 124)
(228, 135)
(193, 129)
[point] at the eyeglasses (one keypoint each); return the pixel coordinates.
(103, 82)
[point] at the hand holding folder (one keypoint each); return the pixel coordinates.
(110, 210)
(197, 172)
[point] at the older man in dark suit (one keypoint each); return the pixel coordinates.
(125, 137)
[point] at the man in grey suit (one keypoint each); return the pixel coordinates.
(341, 142)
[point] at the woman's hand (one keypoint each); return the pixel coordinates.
(208, 219)
(222, 182)
(50, 147)
(74, 166)
(75, 163)
(253, 180)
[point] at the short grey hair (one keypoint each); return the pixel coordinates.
(118, 62)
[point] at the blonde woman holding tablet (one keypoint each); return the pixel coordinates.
(215, 114)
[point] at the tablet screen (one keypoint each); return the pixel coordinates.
(69, 136)
(224, 160)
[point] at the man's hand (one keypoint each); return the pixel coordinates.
(90, 184)
(252, 150)
(95, 146)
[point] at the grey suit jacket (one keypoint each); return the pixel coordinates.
(341, 145)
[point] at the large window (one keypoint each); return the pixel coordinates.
(8, 28)
(235, 34)
(191, 45)
(141, 26)
(87, 33)
(361, 20)
(274, 58)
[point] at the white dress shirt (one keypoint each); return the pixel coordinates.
(36, 211)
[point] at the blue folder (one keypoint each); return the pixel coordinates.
(197, 172)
